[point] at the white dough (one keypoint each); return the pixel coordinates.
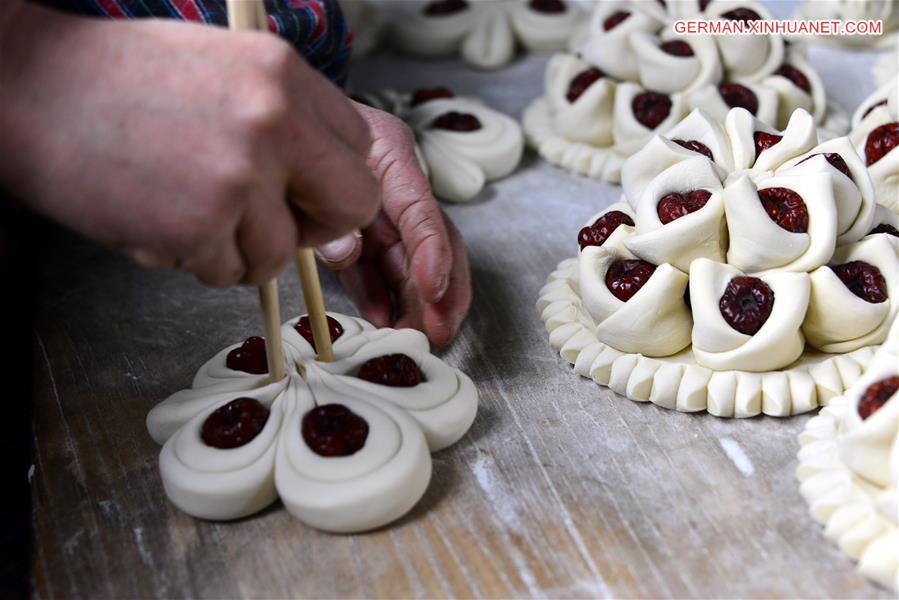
(840, 321)
(541, 32)
(376, 485)
(885, 172)
(444, 404)
(368, 489)
(654, 322)
(677, 382)
(663, 72)
(719, 346)
(854, 195)
(661, 152)
(849, 470)
(611, 50)
(588, 136)
(433, 36)
(628, 133)
(798, 137)
(622, 232)
(460, 162)
(884, 216)
(758, 243)
(589, 118)
(747, 56)
(709, 99)
(486, 33)
(211, 483)
(702, 233)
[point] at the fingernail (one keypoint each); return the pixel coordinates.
(145, 258)
(337, 251)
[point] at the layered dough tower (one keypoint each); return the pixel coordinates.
(487, 34)
(345, 445)
(875, 133)
(629, 76)
(849, 467)
(747, 270)
(461, 143)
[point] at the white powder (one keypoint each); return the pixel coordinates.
(737, 456)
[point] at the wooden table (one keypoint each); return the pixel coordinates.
(560, 489)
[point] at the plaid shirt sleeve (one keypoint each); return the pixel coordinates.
(316, 28)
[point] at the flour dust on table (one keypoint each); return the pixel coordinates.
(723, 278)
(345, 445)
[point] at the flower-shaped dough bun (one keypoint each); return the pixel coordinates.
(798, 86)
(746, 56)
(375, 485)
(629, 57)
(699, 233)
(661, 71)
(541, 31)
(849, 467)
(429, 33)
(491, 43)
(867, 445)
(885, 222)
(628, 131)
(759, 243)
(719, 346)
(486, 34)
(853, 191)
(711, 99)
(461, 160)
(885, 94)
(697, 135)
(213, 483)
(344, 444)
(655, 321)
(839, 319)
(742, 128)
(608, 45)
(588, 118)
(611, 231)
(444, 404)
(462, 143)
(876, 138)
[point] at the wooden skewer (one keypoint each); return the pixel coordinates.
(250, 14)
(271, 324)
(315, 304)
(246, 14)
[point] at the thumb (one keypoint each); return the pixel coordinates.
(341, 253)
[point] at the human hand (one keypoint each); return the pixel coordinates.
(408, 268)
(179, 144)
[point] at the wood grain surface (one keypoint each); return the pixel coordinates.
(560, 489)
